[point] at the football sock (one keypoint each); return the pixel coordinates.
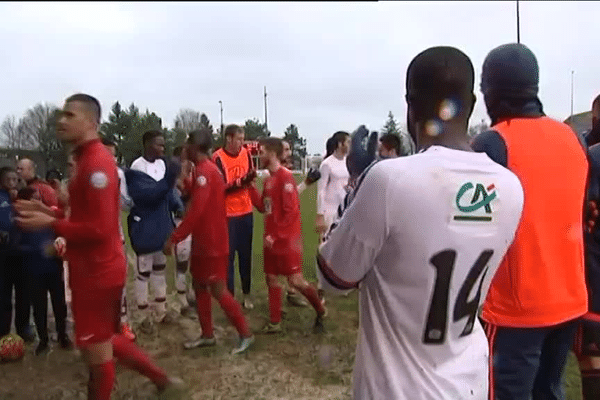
(102, 379)
(235, 314)
(313, 297)
(132, 357)
(204, 307)
(275, 304)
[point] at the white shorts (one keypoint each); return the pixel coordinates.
(183, 249)
(146, 261)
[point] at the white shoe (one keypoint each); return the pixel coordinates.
(175, 389)
(201, 342)
(244, 345)
(247, 304)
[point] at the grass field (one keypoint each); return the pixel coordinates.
(294, 365)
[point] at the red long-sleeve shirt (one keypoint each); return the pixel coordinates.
(206, 218)
(281, 206)
(47, 192)
(94, 247)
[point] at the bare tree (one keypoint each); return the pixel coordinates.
(188, 120)
(39, 126)
(12, 133)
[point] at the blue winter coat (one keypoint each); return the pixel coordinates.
(6, 219)
(150, 220)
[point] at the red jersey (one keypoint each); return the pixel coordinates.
(95, 250)
(47, 193)
(206, 218)
(281, 206)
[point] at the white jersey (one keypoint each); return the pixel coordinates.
(156, 169)
(125, 200)
(422, 239)
(331, 187)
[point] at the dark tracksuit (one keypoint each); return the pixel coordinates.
(12, 273)
(45, 274)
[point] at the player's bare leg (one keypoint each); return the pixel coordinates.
(274, 325)
(298, 282)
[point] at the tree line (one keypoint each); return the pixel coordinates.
(36, 131)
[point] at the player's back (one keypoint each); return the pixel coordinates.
(450, 217)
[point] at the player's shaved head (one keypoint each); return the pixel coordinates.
(439, 90)
(92, 105)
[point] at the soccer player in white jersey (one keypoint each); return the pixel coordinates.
(422, 240)
(332, 187)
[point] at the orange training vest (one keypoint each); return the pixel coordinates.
(238, 202)
(541, 281)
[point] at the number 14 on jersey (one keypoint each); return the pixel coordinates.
(436, 327)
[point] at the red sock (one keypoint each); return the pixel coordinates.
(204, 306)
(275, 304)
(312, 296)
(235, 314)
(132, 357)
(102, 379)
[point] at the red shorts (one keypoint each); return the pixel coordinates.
(286, 264)
(206, 270)
(96, 314)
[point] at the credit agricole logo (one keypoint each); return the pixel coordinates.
(475, 201)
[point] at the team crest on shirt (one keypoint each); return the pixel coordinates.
(474, 202)
(288, 187)
(99, 180)
(201, 180)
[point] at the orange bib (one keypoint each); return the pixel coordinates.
(238, 202)
(541, 281)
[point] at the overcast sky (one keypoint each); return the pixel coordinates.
(327, 66)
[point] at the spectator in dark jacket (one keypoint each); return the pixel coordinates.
(11, 272)
(45, 275)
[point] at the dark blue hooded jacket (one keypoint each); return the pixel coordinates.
(6, 220)
(150, 220)
(33, 247)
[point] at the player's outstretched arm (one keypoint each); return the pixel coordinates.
(257, 199)
(200, 197)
